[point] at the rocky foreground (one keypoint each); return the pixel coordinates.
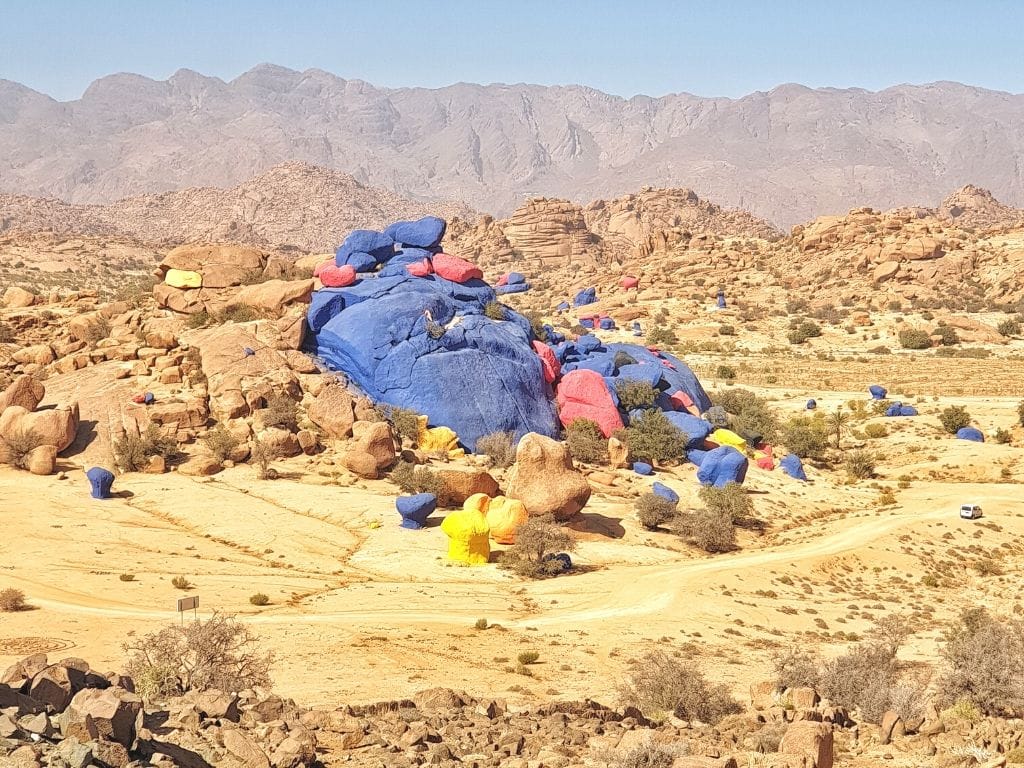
(67, 715)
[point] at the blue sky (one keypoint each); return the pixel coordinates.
(707, 48)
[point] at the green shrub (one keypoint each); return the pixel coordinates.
(711, 530)
(658, 682)
(406, 423)
(805, 436)
(495, 310)
(535, 539)
(635, 394)
(200, 319)
(914, 338)
(586, 442)
(750, 414)
(652, 437)
(954, 418)
(654, 511)
(499, 448)
(537, 325)
(659, 336)
(133, 452)
(859, 464)
(238, 313)
(802, 330)
(259, 599)
(481, 624)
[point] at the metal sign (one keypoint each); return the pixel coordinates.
(188, 604)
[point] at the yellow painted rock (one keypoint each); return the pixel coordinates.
(181, 278)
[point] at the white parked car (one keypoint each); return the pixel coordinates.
(970, 511)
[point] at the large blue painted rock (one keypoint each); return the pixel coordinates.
(415, 509)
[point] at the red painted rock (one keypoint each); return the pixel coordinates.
(455, 269)
(583, 394)
(549, 363)
(337, 277)
(629, 281)
(420, 268)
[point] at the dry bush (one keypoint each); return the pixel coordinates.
(1009, 327)
(806, 436)
(648, 755)
(406, 423)
(15, 447)
(499, 448)
(259, 599)
(710, 530)
(915, 338)
(659, 683)
(261, 455)
(652, 437)
(586, 442)
(133, 452)
(218, 653)
(654, 511)
(12, 600)
(796, 668)
(635, 394)
(221, 441)
(1020, 412)
(875, 431)
(413, 479)
(180, 582)
(536, 539)
(984, 655)
(861, 679)
(749, 414)
(495, 310)
(954, 418)
(281, 411)
(658, 336)
(731, 501)
(859, 464)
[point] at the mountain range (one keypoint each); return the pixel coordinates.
(786, 155)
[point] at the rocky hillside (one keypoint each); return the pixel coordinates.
(292, 204)
(973, 206)
(787, 154)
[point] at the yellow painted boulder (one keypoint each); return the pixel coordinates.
(468, 533)
(438, 440)
(727, 437)
(505, 516)
(183, 278)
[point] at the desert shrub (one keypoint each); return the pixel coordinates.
(1009, 327)
(710, 530)
(1002, 436)
(859, 464)
(653, 510)
(180, 582)
(1020, 413)
(649, 755)
(481, 624)
(875, 431)
(96, 331)
(259, 599)
(659, 683)
(133, 452)
(535, 539)
(731, 501)
(635, 394)
(16, 447)
(221, 441)
(726, 372)
(860, 679)
(954, 418)
(200, 319)
(12, 600)
(947, 335)
(126, 577)
(218, 653)
(435, 330)
(750, 414)
(726, 330)
(261, 456)
(281, 411)
(537, 325)
(413, 479)
(891, 632)
(796, 306)
(238, 313)
(586, 442)
(652, 437)
(805, 436)
(984, 655)
(495, 310)
(498, 447)
(406, 423)
(658, 335)
(528, 657)
(796, 668)
(801, 331)
(914, 338)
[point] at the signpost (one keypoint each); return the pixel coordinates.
(188, 604)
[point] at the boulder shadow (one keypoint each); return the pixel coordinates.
(594, 522)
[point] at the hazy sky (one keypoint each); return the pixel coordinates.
(708, 48)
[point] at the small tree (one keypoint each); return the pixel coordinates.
(221, 441)
(954, 418)
(536, 539)
(838, 421)
(12, 600)
(659, 683)
(654, 511)
(219, 653)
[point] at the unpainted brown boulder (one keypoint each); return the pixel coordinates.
(545, 480)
